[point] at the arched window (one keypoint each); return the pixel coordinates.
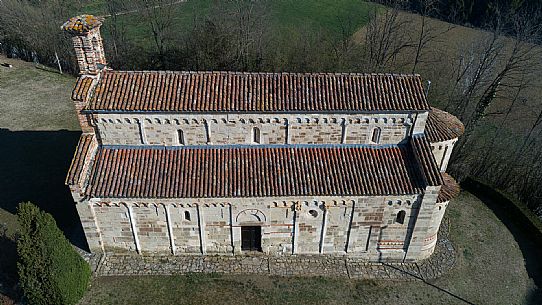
(256, 135)
(186, 215)
(400, 217)
(180, 136)
(375, 137)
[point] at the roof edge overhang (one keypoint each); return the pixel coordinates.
(300, 112)
(279, 198)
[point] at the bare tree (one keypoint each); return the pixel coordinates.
(159, 16)
(427, 33)
(475, 66)
(248, 18)
(116, 28)
(385, 38)
(506, 64)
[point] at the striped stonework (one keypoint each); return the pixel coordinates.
(214, 163)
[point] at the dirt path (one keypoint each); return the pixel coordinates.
(138, 10)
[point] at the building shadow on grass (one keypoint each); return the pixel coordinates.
(528, 237)
(8, 256)
(33, 167)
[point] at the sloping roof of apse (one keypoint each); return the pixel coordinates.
(450, 188)
(169, 91)
(442, 126)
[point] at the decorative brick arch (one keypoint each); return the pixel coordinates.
(251, 216)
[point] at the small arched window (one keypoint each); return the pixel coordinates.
(256, 135)
(187, 215)
(400, 217)
(180, 136)
(375, 137)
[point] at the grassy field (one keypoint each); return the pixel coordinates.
(36, 113)
(285, 16)
(38, 132)
(34, 99)
(490, 270)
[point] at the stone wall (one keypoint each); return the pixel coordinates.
(442, 152)
(366, 227)
(192, 129)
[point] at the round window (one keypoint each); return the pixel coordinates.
(313, 213)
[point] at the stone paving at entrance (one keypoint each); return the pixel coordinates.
(439, 263)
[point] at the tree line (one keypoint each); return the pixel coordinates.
(491, 78)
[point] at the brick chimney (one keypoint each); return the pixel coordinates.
(87, 41)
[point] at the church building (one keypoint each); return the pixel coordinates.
(236, 163)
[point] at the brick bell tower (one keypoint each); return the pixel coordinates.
(87, 42)
(89, 50)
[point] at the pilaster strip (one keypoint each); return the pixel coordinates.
(201, 226)
(348, 233)
(324, 229)
(95, 219)
(295, 237)
(170, 229)
(134, 229)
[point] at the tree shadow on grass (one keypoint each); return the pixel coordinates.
(528, 237)
(33, 167)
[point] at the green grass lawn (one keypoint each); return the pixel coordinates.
(34, 99)
(490, 270)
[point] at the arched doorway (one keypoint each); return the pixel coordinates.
(251, 221)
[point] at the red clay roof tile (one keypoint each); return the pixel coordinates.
(164, 91)
(253, 172)
(78, 161)
(81, 88)
(450, 189)
(442, 126)
(428, 164)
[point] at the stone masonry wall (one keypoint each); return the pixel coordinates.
(365, 227)
(126, 129)
(442, 152)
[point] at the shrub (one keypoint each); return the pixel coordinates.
(50, 270)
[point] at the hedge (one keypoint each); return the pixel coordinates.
(50, 270)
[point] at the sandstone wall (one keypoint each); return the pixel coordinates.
(365, 227)
(125, 129)
(442, 152)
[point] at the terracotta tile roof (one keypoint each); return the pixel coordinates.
(81, 88)
(426, 159)
(253, 172)
(256, 92)
(449, 189)
(442, 126)
(78, 161)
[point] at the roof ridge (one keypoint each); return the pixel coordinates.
(414, 75)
